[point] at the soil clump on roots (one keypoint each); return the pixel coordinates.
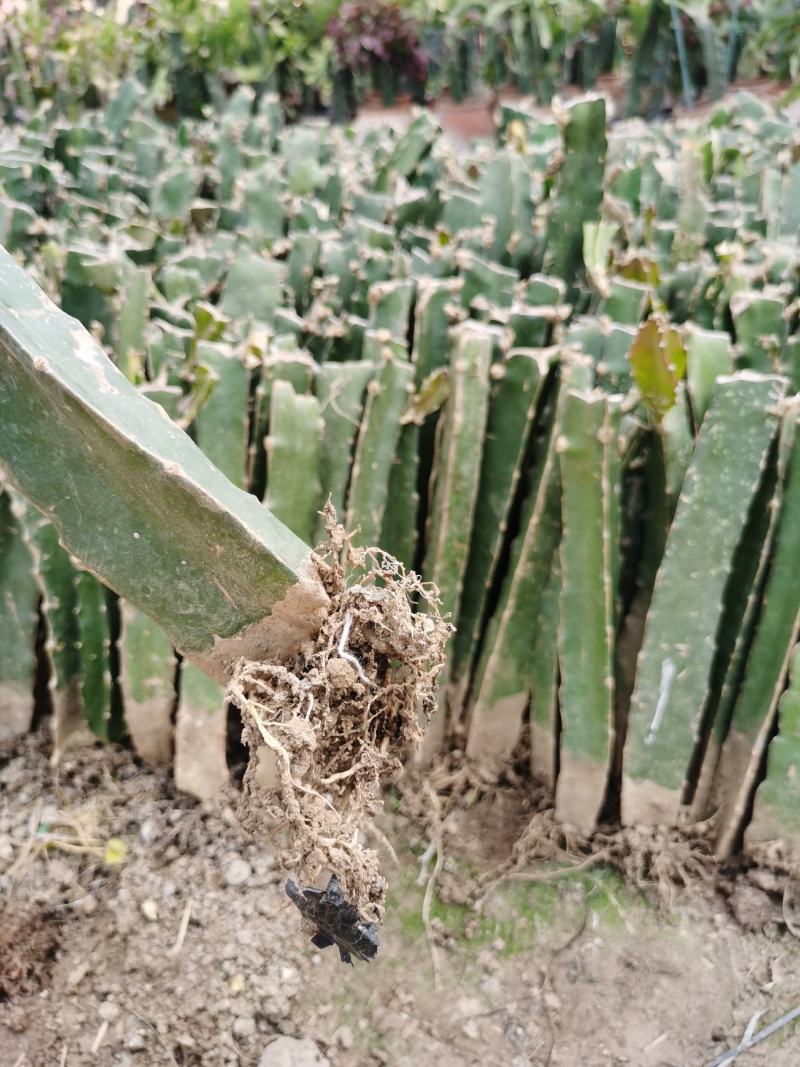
(337, 720)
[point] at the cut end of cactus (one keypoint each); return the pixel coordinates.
(295, 618)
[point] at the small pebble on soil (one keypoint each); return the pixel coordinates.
(292, 1052)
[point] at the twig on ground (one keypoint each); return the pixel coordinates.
(545, 973)
(76, 832)
(182, 928)
(789, 922)
(426, 915)
(99, 1037)
(750, 1040)
(384, 840)
(429, 888)
(228, 1040)
(572, 938)
(658, 1041)
(548, 966)
(424, 860)
(541, 876)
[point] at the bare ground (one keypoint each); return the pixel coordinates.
(177, 945)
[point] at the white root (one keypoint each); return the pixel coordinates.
(344, 654)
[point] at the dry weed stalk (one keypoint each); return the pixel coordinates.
(78, 831)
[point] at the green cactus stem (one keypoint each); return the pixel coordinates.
(132, 319)
(147, 677)
(791, 361)
(390, 306)
(506, 202)
(776, 803)
(708, 357)
(743, 603)
(589, 460)
(544, 291)
(340, 389)
(485, 283)
(261, 191)
(294, 447)
(254, 288)
(516, 391)
(62, 647)
(458, 464)
(94, 644)
(678, 441)
(432, 325)
(387, 394)
(301, 267)
(666, 717)
(203, 559)
(533, 327)
(399, 532)
(777, 632)
(544, 679)
(201, 767)
(409, 150)
(501, 683)
(760, 328)
(627, 301)
(19, 594)
(281, 362)
(221, 422)
(578, 191)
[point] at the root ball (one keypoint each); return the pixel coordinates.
(339, 718)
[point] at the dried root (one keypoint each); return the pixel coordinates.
(340, 716)
(662, 862)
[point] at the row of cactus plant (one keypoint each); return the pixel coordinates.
(328, 54)
(555, 375)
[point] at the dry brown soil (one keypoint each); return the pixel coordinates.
(578, 970)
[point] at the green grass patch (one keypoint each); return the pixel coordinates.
(517, 913)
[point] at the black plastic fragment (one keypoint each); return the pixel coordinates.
(337, 921)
